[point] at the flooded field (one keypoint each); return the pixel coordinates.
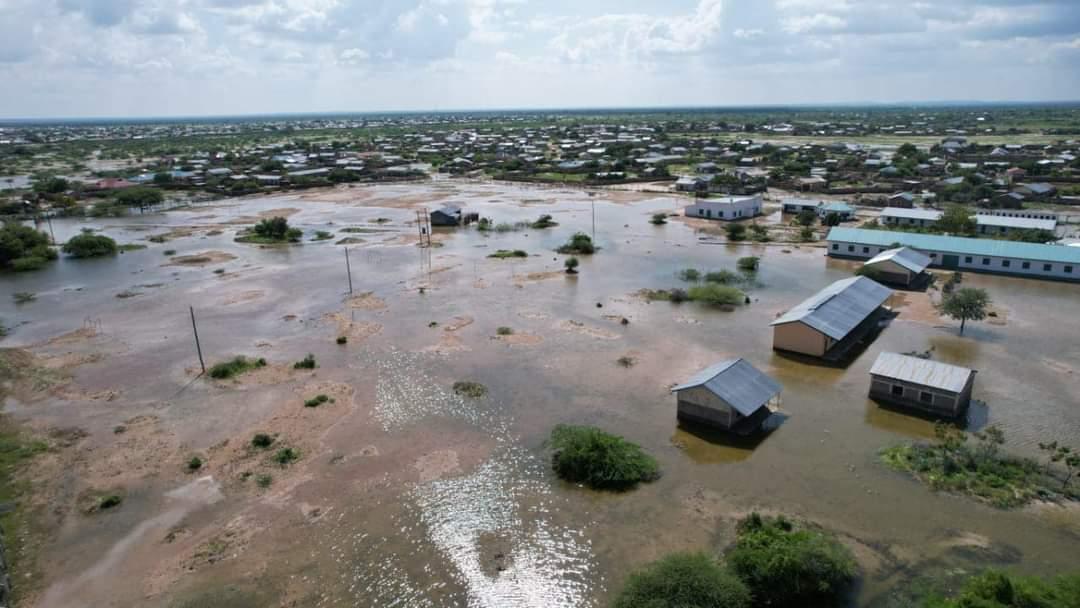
(407, 494)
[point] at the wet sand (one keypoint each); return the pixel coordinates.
(405, 491)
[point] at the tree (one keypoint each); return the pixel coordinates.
(956, 219)
(163, 178)
(682, 580)
(735, 232)
(806, 234)
(87, 245)
(966, 304)
(571, 265)
(806, 217)
(23, 248)
(139, 196)
(277, 229)
(51, 185)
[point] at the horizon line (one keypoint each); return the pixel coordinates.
(8, 121)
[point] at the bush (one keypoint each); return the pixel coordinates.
(788, 566)
(544, 221)
(626, 361)
(678, 295)
(286, 456)
(723, 277)
(806, 218)
(600, 460)
(262, 440)
(735, 232)
(806, 234)
(506, 253)
(236, 366)
(23, 248)
(759, 233)
(322, 235)
(580, 244)
(307, 362)
(110, 501)
(683, 580)
(316, 401)
(571, 265)
(689, 274)
(264, 480)
(715, 294)
(658, 219)
(31, 262)
(194, 464)
(342, 339)
(504, 331)
(273, 230)
(993, 589)
(89, 245)
(749, 263)
(471, 389)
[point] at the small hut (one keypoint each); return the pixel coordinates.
(902, 266)
(922, 384)
(447, 215)
(731, 395)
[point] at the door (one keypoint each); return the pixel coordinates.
(950, 261)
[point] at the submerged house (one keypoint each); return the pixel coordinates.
(726, 208)
(447, 215)
(901, 266)
(831, 321)
(922, 384)
(731, 395)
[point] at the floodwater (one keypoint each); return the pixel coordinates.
(409, 495)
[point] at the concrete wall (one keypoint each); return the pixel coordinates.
(699, 404)
(994, 265)
(891, 272)
(800, 338)
(716, 210)
(942, 402)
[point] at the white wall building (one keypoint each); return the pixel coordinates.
(726, 208)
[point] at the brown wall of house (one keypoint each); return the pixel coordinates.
(800, 338)
(701, 405)
(944, 402)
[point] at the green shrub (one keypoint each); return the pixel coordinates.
(504, 331)
(286, 456)
(322, 235)
(130, 247)
(735, 232)
(316, 401)
(110, 501)
(571, 265)
(342, 339)
(749, 263)
(993, 589)
(471, 389)
(759, 233)
(544, 221)
(600, 460)
(31, 262)
(690, 274)
(169, 252)
(23, 297)
(806, 234)
(262, 440)
(715, 294)
(626, 361)
(264, 480)
(678, 295)
(723, 277)
(579, 244)
(683, 580)
(786, 565)
(506, 253)
(272, 230)
(307, 362)
(22, 248)
(195, 463)
(89, 245)
(235, 366)
(658, 219)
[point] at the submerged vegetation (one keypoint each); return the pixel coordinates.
(714, 294)
(600, 460)
(994, 589)
(683, 580)
(23, 248)
(317, 400)
(579, 244)
(308, 362)
(235, 366)
(954, 464)
(271, 231)
(468, 388)
(87, 245)
(544, 221)
(502, 254)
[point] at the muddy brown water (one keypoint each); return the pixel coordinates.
(413, 496)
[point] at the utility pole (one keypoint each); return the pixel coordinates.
(348, 270)
(198, 347)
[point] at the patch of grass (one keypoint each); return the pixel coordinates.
(506, 253)
(194, 464)
(342, 339)
(788, 565)
(131, 247)
(626, 361)
(759, 233)
(714, 294)
(748, 264)
(235, 366)
(544, 221)
(722, 277)
(735, 231)
(683, 580)
(322, 235)
(981, 471)
(263, 480)
(316, 401)
(995, 589)
(600, 460)
(504, 331)
(286, 456)
(658, 219)
(23, 297)
(262, 440)
(307, 362)
(579, 244)
(468, 388)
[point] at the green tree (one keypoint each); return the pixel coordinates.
(966, 304)
(139, 196)
(163, 178)
(23, 248)
(806, 217)
(956, 219)
(51, 185)
(735, 232)
(88, 245)
(571, 265)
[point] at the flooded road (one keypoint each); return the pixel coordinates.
(407, 494)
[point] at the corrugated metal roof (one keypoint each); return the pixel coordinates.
(1025, 223)
(739, 384)
(957, 245)
(906, 257)
(924, 372)
(840, 307)
(917, 214)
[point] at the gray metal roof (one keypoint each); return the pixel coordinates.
(906, 257)
(739, 384)
(924, 372)
(839, 308)
(918, 214)
(1015, 222)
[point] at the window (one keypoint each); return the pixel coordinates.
(1068, 270)
(926, 397)
(1025, 265)
(851, 248)
(986, 261)
(897, 390)
(933, 256)
(866, 250)
(1005, 263)
(835, 247)
(1047, 267)
(967, 259)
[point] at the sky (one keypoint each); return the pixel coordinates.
(117, 58)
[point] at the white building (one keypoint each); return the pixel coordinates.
(997, 224)
(900, 216)
(726, 208)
